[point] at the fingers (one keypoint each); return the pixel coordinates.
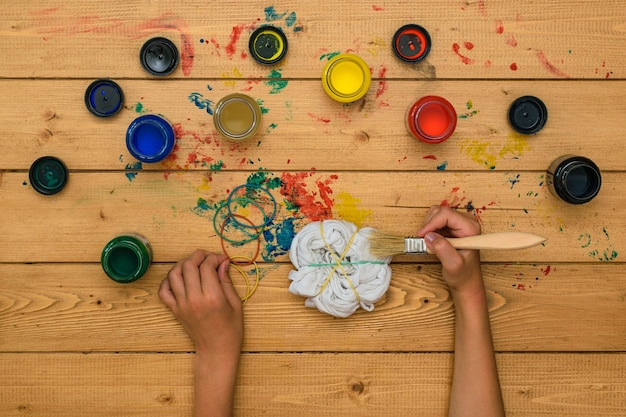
(227, 285)
(451, 259)
(166, 295)
(444, 218)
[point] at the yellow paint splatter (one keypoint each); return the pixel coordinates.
(377, 45)
(479, 153)
(205, 186)
(346, 207)
(515, 145)
(235, 73)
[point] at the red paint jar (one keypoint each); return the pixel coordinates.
(431, 119)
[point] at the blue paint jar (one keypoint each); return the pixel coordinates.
(574, 179)
(150, 138)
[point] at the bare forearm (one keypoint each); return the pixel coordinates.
(475, 384)
(214, 386)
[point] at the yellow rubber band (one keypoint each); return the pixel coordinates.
(249, 290)
(338, 263)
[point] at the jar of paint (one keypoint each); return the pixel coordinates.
(268, 45)
(126, 258)
(574, 179)
(48, 175)
(237, 117)
(104, 98)
(411, 43)
(431, 119)
(150, 138)
(159, 56)
(346, 78)
(528, 115)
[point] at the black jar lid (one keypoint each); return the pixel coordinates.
(159, 56)
(268, 45)
(411, 43)
(48, 175)
(528, 115)
(104, 98)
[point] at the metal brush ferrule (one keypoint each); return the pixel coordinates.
(414, 245)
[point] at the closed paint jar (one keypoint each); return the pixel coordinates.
(237, 117)
(346, 78)
(150, 138)
(268, 45)
(574, 179)
(431, 119)
(126, 258)
(48, 175)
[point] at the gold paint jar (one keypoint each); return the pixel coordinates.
(237, 117)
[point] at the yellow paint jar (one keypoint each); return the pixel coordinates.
(346, 78)
(237, 116)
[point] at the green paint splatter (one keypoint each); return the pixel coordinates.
(329, 55)
(216, 166)
(270, 128)
(138, 107)
(275, 82)
(264, 110)
(264, 178)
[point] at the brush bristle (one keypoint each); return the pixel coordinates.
(385, 244)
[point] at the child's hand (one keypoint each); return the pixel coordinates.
(461, 268)
(201, 295)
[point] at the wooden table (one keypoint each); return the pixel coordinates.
(75, 343)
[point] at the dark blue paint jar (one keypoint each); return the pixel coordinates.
(574, 179)
(150, 138)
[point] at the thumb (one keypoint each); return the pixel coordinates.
(451, 260)
(227, 283)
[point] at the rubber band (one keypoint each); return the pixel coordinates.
(266, 219)
(347, 263)
(249, 291)
(230, 216)
(258, 240)
(338, 263)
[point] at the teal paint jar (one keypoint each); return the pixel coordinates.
(126, 258)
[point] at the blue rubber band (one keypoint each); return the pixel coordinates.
(231, 217)
(267, 219)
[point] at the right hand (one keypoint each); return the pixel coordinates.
(461, 268)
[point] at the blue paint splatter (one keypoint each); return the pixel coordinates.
(132, 168)
(443, 166)
(291, 19)
(514, 181)
(278, 239)
(201, 102)
(271, 14)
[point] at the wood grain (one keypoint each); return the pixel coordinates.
(533, 308)
(282, 384)
(301, 120)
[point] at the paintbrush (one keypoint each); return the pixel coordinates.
(384, 244)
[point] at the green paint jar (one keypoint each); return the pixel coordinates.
(237, 117)
(126, 258)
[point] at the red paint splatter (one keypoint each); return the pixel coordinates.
(382, 84)
(433, 157)
(319, 118)
(453, 200)
(499, 27)
(482, 8)
(58, 27)
(487, 63)
(511, 41)
(377, 8)
(513, 66)
(294, 189)
(608, 74)
(521, 287)
(467, 61)
(235, 34)
(549, 66)
(468, 45)
(546, 270)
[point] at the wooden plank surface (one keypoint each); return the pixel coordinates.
(482, 39)
(301, 120)
(532, 308)
(541, 385)
(74, 343)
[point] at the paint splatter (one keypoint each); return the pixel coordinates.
(264, 178)
(513, 67)
(466, 60)
(514, 180)
(329, 55)
(472, 112)
(433, 157)
(272, 15)
(442, 166)
(499, 27)
(468, 45)
(275, 82)
(377, 8)
(132, 170)
(511, 41)
(382, 84)
(454, 199)
(314, 205)
(290, 18)
(601, 249)
(478, 151)
(139, 108)
(201, 102)
(549, 66)
(347, 208)
(278, 238)
(260, 102)
(55, 26)
(321, 119)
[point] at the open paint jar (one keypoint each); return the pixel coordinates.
(126, 258)
(431, 119)
(150, 138)
(574, 179)
(346, 78)
(237, 117)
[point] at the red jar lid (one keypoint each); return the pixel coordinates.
(431, 119)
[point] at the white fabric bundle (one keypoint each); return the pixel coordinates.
(361, 279)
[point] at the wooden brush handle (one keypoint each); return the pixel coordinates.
(497, 241)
